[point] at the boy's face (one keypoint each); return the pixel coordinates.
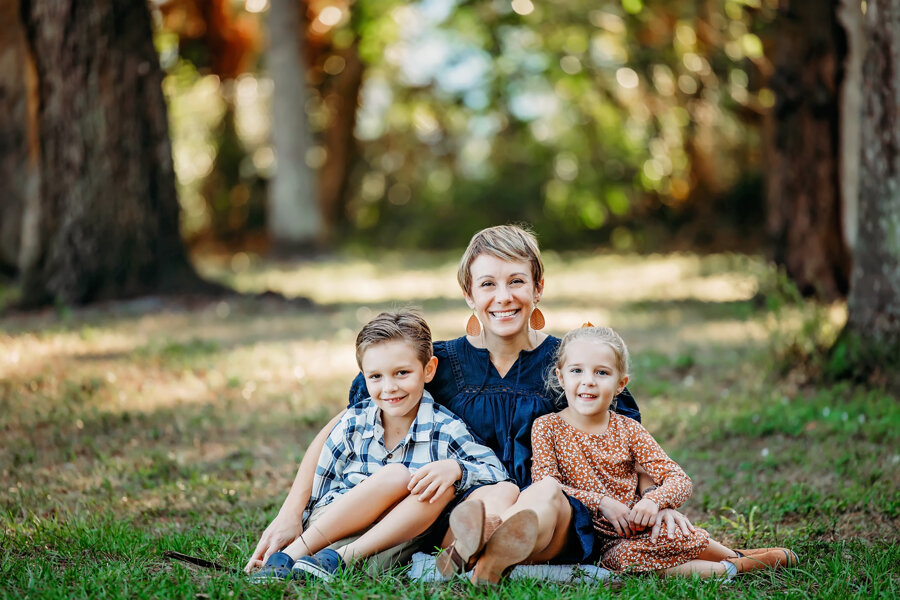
(396, 378)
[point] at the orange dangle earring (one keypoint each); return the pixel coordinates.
(537, 319)
(473, 325)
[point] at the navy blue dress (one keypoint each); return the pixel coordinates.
(500, 410)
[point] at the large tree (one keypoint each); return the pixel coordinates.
(108, 219)
(804, 180)
(871, 340)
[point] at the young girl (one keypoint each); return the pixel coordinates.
(592, 452)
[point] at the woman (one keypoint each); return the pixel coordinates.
(493, 378)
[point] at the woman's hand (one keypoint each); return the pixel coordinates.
(283, 530)
(643, 514)
(617, 514)
(431, 481)
(673, 520)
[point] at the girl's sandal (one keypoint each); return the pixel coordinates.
(512, 543)
(467, 525)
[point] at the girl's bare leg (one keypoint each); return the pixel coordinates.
(402, 523)
(554, 515)
(716, 551)
(355, 510)
(703, 568)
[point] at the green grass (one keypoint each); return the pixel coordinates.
(147, 426)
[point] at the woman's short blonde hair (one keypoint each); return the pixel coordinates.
(506, 242)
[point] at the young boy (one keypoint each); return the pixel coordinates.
(391, 464)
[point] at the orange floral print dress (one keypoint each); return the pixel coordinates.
(590, 467)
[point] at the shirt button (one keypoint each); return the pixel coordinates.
(391, 455)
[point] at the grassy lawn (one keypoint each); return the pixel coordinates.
(134, 428)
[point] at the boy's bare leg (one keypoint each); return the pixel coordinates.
(497, 498)
(355, 510)
(409, 518)
(554, 514)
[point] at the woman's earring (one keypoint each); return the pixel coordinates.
(537, 319)
(473, 326)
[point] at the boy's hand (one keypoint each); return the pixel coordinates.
(283, 530)
(617, 514)
(643, 514)
(431, 481)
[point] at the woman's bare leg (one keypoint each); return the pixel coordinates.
(497, 498)
(402, 523)
(554, 515)
(355, 510)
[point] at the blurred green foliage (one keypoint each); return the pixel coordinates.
(625, 122)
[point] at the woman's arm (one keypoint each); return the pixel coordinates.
(287, 524)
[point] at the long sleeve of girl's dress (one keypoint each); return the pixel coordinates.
(544, 464)
(675, 486)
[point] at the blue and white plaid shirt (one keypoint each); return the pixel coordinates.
(355, 450)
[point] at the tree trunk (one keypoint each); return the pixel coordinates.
(108, 222)
(18, 144)
(342, 100)
(871, 339)
(804, 174)
(294, 218)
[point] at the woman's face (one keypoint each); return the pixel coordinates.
(503, 294)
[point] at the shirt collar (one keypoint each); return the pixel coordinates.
(419, 431)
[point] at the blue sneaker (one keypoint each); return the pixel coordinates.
(324, 565)
(277, 568)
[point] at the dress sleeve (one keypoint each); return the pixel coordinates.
(358, 391)
(544, 464)
(675, 486)
(627, 406)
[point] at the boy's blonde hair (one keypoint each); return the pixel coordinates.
(403, 325)
(506, 242)
(602, 335)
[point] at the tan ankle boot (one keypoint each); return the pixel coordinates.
(775, 558)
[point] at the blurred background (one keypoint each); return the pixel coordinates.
(626, 124)
(635, 125)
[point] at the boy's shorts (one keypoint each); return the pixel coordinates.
(381, 561)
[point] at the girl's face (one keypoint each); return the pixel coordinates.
(589, 377)
(503, 294)
(396, 378)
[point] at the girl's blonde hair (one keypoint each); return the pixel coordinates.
(601, 335)
(506, 242)
(405, 325)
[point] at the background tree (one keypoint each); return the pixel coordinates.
(803, 187)
(870, 343)
(108, 218)
(18, 147)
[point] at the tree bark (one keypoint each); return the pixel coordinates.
(342, 99)
(108, 224)
(18, 143)
(871, 339)
(804, 173)
(294, 218)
